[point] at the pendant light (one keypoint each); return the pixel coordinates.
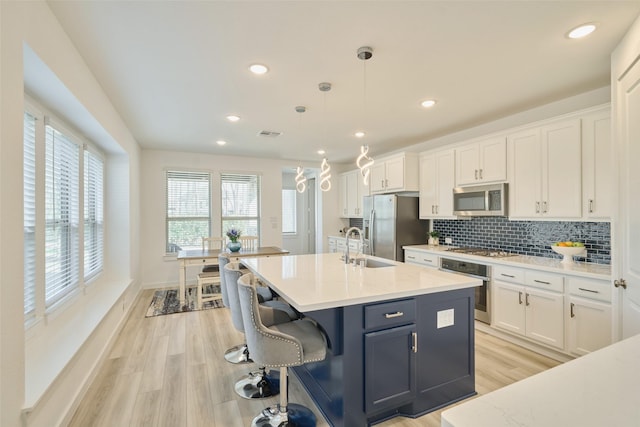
(301, 180)
(364, 162)
(325, 169)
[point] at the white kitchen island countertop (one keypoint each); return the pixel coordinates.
(596, 390)
(321, 281)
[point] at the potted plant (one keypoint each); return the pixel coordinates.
(233, 234)
(434, 238)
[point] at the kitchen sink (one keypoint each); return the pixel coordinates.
(373, 263)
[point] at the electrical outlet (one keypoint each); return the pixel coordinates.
(447, 240)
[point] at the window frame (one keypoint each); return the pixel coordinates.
(228, 218)
(169, 219)
(36, 305)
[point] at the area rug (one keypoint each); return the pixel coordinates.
(166, 301)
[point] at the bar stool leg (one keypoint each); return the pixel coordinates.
(238, 354)
(285, 414)
(257, 385)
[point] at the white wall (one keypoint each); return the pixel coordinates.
(161, 271)
(93, 316)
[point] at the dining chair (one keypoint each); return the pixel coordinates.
(208, 287)
(249, 242)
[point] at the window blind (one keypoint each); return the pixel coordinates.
(188, 209)
(241, 203)
(62, 175)
(93, 214)
(29, 203)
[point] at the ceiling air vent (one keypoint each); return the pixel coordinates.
(269, 133)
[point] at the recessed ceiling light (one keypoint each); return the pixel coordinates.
(581, 31)
(359, 134)
(428, 103)
(221, 142)
(258, 68)
(321, 152)
(233, 118)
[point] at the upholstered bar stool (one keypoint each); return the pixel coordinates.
(280, 346)
(257, 384)
(240, 353)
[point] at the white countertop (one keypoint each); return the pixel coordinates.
(321, 281)
(584, 269)
(596, 390)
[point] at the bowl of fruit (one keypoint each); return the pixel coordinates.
(568, 250)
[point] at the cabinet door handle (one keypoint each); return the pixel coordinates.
(414, 340)
(526, 299)
(541, 281)
(507, 275)
(392, 315)
(427, 260)
(382, 183)
(480, 173)
(589, 290)
(437, 209)
(433, 209)
(572, 313)
(537, 207)
(476, 175)
(411, 257)
(544, 207)
(520, 298)
(386, 182)
(590, 205)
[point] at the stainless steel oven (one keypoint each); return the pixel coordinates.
(483, 293)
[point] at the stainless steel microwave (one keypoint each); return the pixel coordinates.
(480, 200)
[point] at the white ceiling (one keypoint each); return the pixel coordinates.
(175, 69)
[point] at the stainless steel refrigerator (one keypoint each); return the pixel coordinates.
(390, 222)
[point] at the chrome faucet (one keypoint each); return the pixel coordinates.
(347, 258)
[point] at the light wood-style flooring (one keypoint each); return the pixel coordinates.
(170, 371)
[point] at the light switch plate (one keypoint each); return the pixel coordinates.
(445, 318)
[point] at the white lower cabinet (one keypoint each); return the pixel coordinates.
(528, 310)
(421, 258)
(589, 315)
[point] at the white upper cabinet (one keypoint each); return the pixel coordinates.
(597, 166)
(436, 184)
(351, 191)
(394, 173)
(482, 162)
(545, 171)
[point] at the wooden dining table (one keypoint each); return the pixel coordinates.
(198, 257)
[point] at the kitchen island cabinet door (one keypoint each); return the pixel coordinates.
(390, 366)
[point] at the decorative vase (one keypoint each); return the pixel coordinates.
(234, 246)
(434, 241)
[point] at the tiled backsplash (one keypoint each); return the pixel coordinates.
(528, 237)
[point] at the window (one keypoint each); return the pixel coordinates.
(93, 214)
(54, 265)
(289, 211)
(62, 195)
(241, 203)
(188, 209)
(29, 186)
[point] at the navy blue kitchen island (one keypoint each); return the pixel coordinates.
(401, 337)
